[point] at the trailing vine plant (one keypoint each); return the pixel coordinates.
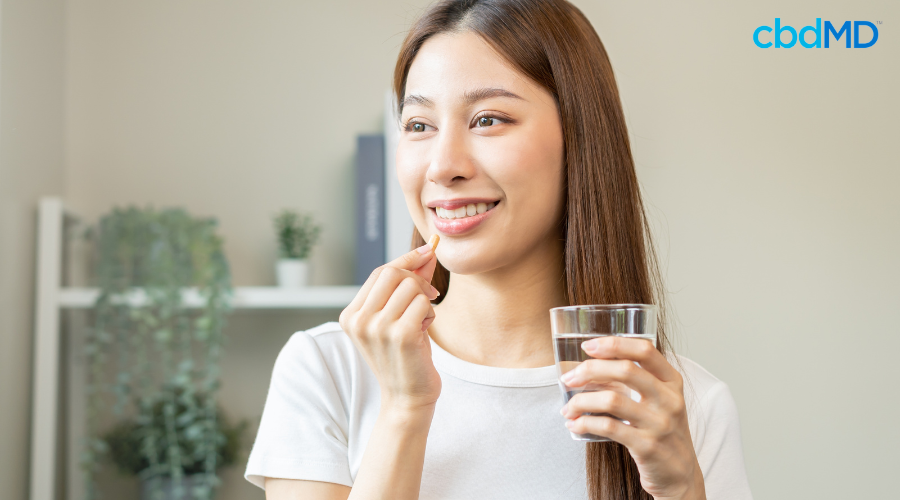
(164, 355)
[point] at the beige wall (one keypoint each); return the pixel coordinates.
(231, 108)
(234, 109)
(31, 164)
(770, 175)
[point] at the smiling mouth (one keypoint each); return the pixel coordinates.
(463, 212)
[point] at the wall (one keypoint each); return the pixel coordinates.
(230, 108)
(234, 109)
(769, 176)
(31, 165)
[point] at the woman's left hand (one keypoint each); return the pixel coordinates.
(658, 436)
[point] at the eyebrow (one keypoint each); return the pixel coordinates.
(470, 97)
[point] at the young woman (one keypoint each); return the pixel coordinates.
(514, 150)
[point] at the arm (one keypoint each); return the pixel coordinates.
(392, 464)
(387, 321)
(391, 467)
(292, 489)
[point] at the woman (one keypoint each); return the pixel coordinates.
(514, 150)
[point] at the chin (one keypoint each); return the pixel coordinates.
(468, 260)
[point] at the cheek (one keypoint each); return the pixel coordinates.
(404, 169)
(531, 173)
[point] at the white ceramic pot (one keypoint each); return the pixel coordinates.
(293, 273)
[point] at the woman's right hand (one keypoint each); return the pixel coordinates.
(387, 322)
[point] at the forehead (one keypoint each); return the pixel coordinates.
(449, 64)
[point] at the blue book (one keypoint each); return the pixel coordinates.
(370, 235)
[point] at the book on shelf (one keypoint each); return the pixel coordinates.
(370, 231)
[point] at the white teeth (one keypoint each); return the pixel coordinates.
(466, 211)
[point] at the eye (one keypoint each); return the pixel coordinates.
(414, 126)
(485, 121)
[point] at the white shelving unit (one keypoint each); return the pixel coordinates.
(248, 297)
(52, 298)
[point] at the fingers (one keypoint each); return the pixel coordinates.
(611, 402)
(401, 298)
(421, 261)
(599, 371)
(417, 258)
(388, 281)
(607, 427)
(418, 264)
(420, 313)
(639, 350)
(427, 270)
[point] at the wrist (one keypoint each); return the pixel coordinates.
(695, 490)
(405, 417)
(699, 486)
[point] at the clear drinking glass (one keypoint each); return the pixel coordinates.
(573, 325)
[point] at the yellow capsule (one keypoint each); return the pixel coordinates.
(433, 241)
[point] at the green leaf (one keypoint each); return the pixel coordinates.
(163, 335)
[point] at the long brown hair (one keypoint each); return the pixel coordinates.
(609, 256)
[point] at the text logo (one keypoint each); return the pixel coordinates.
(785, 37)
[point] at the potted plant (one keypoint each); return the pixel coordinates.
(125, 443)
(297, 233)
(150, 356)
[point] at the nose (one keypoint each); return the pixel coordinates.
(451, 160)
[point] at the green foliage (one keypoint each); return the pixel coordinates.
(297, 233)
(124, 440)
(165, 357)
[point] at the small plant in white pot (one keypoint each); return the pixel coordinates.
(297, 233)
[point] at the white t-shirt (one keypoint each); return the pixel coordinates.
(496, 433)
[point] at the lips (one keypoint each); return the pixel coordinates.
(465, 223)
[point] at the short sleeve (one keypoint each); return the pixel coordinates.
(717, 442)
(303, 433)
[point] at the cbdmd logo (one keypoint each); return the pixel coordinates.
(820, 33)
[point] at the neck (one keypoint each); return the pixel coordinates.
(500, 318)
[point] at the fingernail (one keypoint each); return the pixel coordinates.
(564, 409)
(424, 249)
(436, 292)
(568, 377)
(589, 345)
(570, 424)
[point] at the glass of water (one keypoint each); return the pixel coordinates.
(576, 324)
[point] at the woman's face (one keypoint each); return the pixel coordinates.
(478, 137)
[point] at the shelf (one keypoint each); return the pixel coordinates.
(251, 297)
(51, 298)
